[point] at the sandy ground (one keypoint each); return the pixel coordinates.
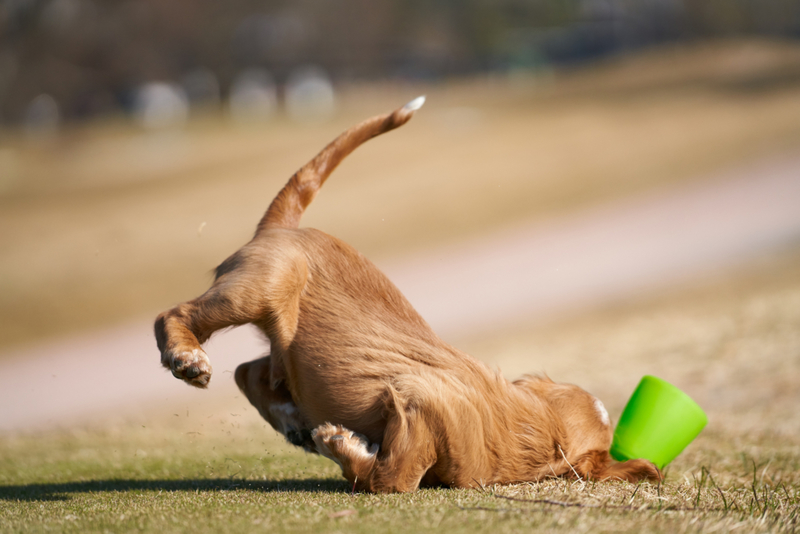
(544, 270)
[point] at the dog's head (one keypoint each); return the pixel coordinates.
(274, 405)
(253, 379)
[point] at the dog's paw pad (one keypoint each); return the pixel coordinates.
(191, 366)
(192, 371)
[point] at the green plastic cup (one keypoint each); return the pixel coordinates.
(658, 422)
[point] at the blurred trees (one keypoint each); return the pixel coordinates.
(91, 56)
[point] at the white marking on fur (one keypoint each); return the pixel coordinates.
(360, 449)
(602, 412)
(284, 415)
(189, 358)
(415, 104)
(179, 362)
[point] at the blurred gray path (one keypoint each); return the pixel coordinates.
(605, 253)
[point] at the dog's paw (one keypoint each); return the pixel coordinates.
(191, 366)
(343, 446)
(648, 471)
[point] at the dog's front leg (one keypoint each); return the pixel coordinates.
(177, 332)
(181, 330)
(253, 286)
(598, 465)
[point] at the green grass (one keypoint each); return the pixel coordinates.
(140, 479)
(731, 342)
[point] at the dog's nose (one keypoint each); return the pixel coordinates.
(294, 436)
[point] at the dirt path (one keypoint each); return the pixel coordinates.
(605, 253)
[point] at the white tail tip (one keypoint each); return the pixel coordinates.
(415, 104)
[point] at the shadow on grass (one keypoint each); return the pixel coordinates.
(61, 492)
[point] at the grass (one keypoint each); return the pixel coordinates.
(138, 479)
(730, 341)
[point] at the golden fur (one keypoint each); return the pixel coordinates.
(357, 375)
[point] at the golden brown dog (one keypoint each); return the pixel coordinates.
(356, 374)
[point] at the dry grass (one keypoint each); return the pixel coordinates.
(105, 223)
(237, 478)
(227, 473)
(731, 341)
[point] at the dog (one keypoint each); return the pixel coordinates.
(356, 375)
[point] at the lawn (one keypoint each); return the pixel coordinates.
(732, 342)
(134, 478)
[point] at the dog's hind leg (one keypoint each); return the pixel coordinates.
(349, 450)
(399, 464)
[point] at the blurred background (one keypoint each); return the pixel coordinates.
(140, 142)
(74, 60)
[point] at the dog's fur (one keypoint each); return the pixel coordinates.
(356, 375)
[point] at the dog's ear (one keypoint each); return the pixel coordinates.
(240, 376)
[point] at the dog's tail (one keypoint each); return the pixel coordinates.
(287, 208)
